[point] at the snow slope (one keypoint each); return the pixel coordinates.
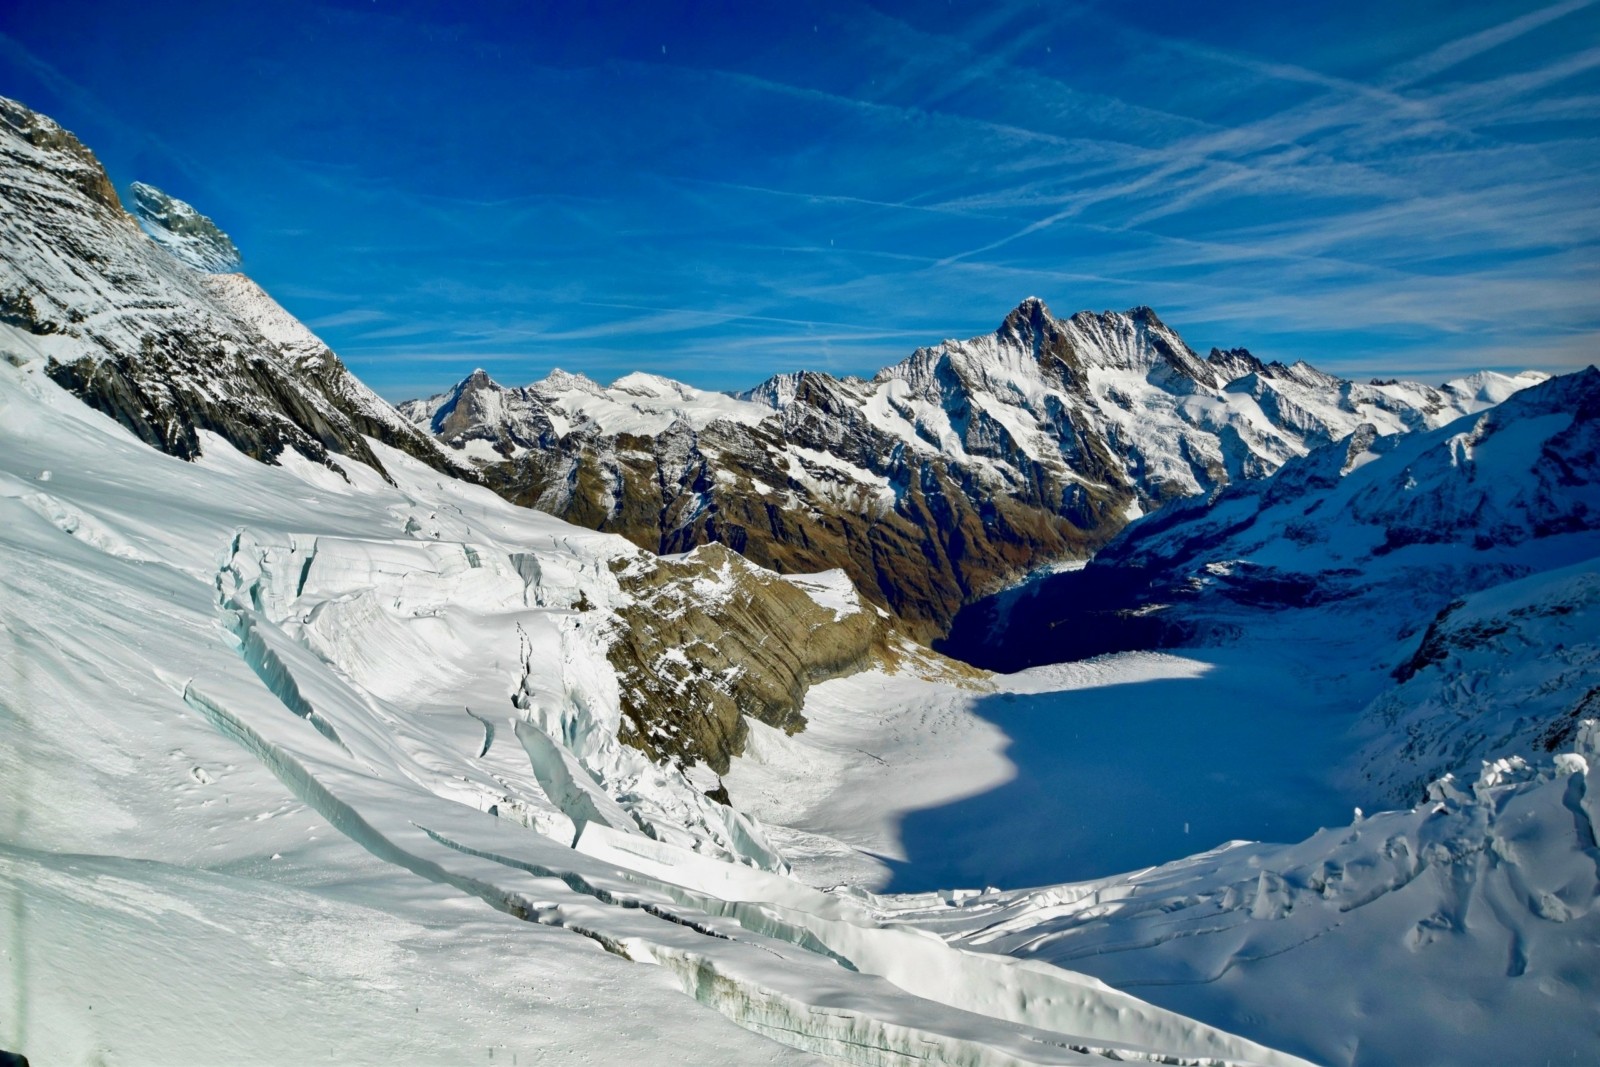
(188, 637)
(1462, 931)
(1509, 671)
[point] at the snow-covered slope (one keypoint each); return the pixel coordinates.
(225, 674)
(1509, 671)
(167, 350)
(1461, 931)
(942, 478)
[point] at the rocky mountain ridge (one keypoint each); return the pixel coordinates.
(942, 478)
(166, 349)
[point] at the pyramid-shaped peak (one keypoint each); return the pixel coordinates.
(1030, 316)
(477, 381)
(1146, 316)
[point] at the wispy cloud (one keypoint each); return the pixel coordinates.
(350, 317)
(748, 203)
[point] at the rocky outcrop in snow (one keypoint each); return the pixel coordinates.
(192, 238)
(942, 478)
(709, 639)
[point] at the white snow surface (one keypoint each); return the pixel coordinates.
(283, 750)
(641, 403)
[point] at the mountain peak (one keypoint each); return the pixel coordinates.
(1028, 318)
(67, 156)
(192, 238)
(1235, 363)
(1145, 316)
(561, 381)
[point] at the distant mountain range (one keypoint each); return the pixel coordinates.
(940, 479)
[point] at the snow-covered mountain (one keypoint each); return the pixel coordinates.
(943, 477)
(135, 329)
(1403, 542)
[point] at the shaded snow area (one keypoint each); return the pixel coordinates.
(1071, 771)
(301, 769)
(1463, 930)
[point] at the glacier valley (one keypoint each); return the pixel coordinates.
(335, 733)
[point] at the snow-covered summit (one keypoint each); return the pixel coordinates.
(511, 420)
(192, 238)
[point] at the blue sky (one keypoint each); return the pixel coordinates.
(719, 192)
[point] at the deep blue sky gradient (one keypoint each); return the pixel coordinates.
(719, 192)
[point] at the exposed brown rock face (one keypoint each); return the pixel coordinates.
(75, 164)
(934, 550)
(710, 639)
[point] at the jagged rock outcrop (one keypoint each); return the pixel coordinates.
(191, 237)
(166, 350)
(941, 479)
(709, 639)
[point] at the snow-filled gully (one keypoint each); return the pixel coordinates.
(810, 969)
